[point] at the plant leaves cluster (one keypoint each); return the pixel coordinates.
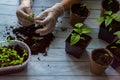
(108, 18)
(9, 56)
(79, 30)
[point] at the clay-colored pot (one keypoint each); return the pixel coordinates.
(75, 18)
(96, 68)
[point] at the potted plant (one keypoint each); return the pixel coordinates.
(109, 5)
(109, 24)
(14, 56)
(114, 47)
(78, 13)
(77, 41)
(100, 59)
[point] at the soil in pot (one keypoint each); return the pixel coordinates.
(12, 55)
(106, 34)
(110, 6)
(36, 42)
(78, 13)
(115, 49)
(100, 60)
(78, 49)
(79, 10)
(102, 57)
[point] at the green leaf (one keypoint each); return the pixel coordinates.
(110, 1)
(106, 54)
(83, 5)
(77, 31)
(78, 25)
(108, 20)
(86, 30)
(82, 38)
(117, 18)
(31, 16)
(101, 19)
(114, 16)
(118, 42)
(108, 12)
(117, 33)
(110, 28)
(113, 47)
(74, 39)
(10, 41)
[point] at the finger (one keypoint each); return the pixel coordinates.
(22, 14)
(29, 11)
(47, 29)
(46, 20)
(41, 15)
(38, 22)
(25, 22)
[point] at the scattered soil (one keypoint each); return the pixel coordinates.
(19, 50)
(114, 6)
(77, 9)
(37, 43)
(102, 57)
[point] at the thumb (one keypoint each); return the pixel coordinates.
(29, 11)
(41, 15)
(47, 19)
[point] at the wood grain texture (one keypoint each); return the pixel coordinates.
(57, 65)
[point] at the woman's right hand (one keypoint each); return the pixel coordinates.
(23, 13)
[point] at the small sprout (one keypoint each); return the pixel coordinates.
(31, 16)
(10, 41)
(106, 54)
(21, 39)
(83, 5)
(113, 47)
(110, 1)
(118, 42)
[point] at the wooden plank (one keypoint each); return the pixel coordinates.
(60, 77)
(61, 69)
(59, 43)
(8, 20)
(58, 55)
(11, 10)
(8, 10)
(9, 2)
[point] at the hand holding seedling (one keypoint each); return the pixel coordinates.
(23, 12)
(50, 15)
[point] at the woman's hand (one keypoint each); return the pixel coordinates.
(23, 12)
(50, 15)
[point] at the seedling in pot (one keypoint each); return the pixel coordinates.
(118, 40)
(114, 47)
(10, 56)
(79, 30)
(108, 18)
(110, 1)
